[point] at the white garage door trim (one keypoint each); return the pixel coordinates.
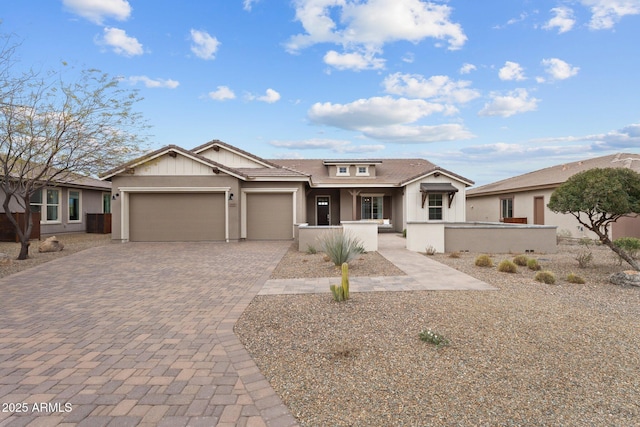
(126, 191)
(243, 200)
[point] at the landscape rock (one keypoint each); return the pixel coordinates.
(51, 244)
(626, 278)
(5, 259)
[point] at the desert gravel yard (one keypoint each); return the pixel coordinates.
(529, 354)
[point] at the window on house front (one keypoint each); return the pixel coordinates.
(435, 206)
(106, 203)
(506, 208)
(74, 206)
(343, 170)
(362, 171)
(47, 203)
(372, 207)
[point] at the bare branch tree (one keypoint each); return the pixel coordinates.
(53, 132)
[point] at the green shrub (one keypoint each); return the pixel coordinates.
(340, 247)
(532, 264)
(311, 250)
(546, 277)
(584, 258)
(484, 261)
(432, 337)
(520, 260)
(573, 278)
(507, 266)
(404, 233)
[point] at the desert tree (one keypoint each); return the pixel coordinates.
(599, 197)
(54, 132)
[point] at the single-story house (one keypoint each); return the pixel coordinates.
(65, 206)
(219, 192)
(524, 198)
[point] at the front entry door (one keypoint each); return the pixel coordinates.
(322, 210)
(538, 210)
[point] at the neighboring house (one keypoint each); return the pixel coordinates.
(524, 198)
(219, 192)
(63, 207)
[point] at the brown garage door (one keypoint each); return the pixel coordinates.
(269, 216)
(176, 217)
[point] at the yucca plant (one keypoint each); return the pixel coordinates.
(340, 247)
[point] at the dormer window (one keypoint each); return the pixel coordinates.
(363, 171)
(343, 171)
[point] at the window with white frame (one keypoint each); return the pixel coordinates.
(506, 208)
(372, 207)
(75, 207)
(362, 171)
(343, 171)
(47, 203)
(435, 206)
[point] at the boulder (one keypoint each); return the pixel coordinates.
(51, 244)
(626, 278)
(5, 259)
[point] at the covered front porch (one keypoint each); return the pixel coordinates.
(331, 206)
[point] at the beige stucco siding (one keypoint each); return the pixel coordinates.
(413, 201)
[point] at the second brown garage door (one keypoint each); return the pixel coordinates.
(176, 217)
(269, 216)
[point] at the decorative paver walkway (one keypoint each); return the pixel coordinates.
(141, 334)
(423, 274)
(136, 334)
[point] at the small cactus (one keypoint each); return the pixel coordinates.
(341, 292)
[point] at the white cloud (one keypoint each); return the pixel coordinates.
(439, 88)
(269, 97)
(517, 101)
(97, 11)
(558, 69)
(372, 112)
(419, 134)
(467, 68)
(606, 13)
(368, 26)
(204, 46)
(353, 61)
(617, 140)
(248, 4)
(222, 93)
(120, 42)
(511, 71)
(154, 83)
(563, 20)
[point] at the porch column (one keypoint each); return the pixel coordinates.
(354, 207)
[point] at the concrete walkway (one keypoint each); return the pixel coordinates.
(423, 274)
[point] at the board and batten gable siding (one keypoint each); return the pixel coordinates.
(167, 165)
(413, 201)
(230, 159)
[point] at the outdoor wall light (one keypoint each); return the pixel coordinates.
(230, 196)
(115, 195)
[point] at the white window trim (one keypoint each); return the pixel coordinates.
(79, 220)
(442, 210)
(43, 206)
(347, 173)
(365, 173)
(373, 195)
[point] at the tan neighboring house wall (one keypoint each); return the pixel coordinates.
(484, 203)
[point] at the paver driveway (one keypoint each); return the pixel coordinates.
(136, 334)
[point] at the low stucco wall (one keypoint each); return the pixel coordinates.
(308, 235)
(500, 238)
(366, 231)
(481, 237)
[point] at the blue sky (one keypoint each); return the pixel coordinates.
(486, 89)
